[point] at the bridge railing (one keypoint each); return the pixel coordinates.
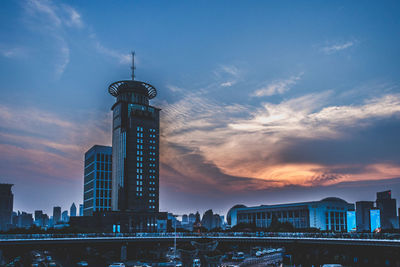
(230, 234)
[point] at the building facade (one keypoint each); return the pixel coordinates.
(388, 211)
(72, 210)
(6, 206)
(97, 180)
(64, 216)
(329, 214)
(56, 215)
(363, 219)
(135, 142)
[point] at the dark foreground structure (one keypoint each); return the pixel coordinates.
(126, 222)
(305, 251)
(6, 206)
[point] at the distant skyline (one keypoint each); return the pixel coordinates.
(263, 102)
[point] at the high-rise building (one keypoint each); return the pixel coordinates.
(56, 215)
(135, 166)
(38, 214)
(80, 209)
(207, 219)
(6, 206)
(185, 218)
(135, 142)
(23, 220)
(387, 205)
(72, 210)
(363, 220)
(39, 218)
(97, 181)
(64, 216)
(375, 219)
(192, 218)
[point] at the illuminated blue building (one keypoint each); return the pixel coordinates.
(375, 218)
(329, 214)
(351, 221)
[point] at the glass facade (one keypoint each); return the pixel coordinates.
(375, 218)
(97, 180)
(351, 221)
(328, 214)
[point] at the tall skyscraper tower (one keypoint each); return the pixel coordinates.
(97, 180)
(6, 206)
(72, 210)
(56, 214)
(135, 146)
(387, 205)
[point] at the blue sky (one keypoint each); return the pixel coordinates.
(263, 101)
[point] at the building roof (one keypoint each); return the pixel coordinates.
(143, 88)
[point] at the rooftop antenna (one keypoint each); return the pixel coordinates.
(133, 66)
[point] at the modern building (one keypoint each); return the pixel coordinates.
(56, 215)
(64, 216)
(328, 214)
(135, 165)
(231, 216)
(23, 220)
(387, 205)
(351, 221)
(185, 219)
(72, 210)
(363, 219)
(97, 180)
(211, 220)
(41, 219)
(6, 206)
(192, 218)
(135, 142)
(80, 209)
(375, 219)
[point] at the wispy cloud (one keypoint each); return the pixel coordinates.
(123, 58)
(37, 136)
(174, 88)
(50, 18)
(278, 86)
(58, 14)
(74, 18)
(227, 75)
(239, 141)
(330, 49)
(11, 52)
(43, 8)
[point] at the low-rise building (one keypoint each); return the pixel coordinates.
(328, 214)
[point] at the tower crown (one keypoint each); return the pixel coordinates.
(130, 86)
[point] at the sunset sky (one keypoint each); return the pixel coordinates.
(262, 102)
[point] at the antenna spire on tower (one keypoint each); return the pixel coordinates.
(133, 65)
